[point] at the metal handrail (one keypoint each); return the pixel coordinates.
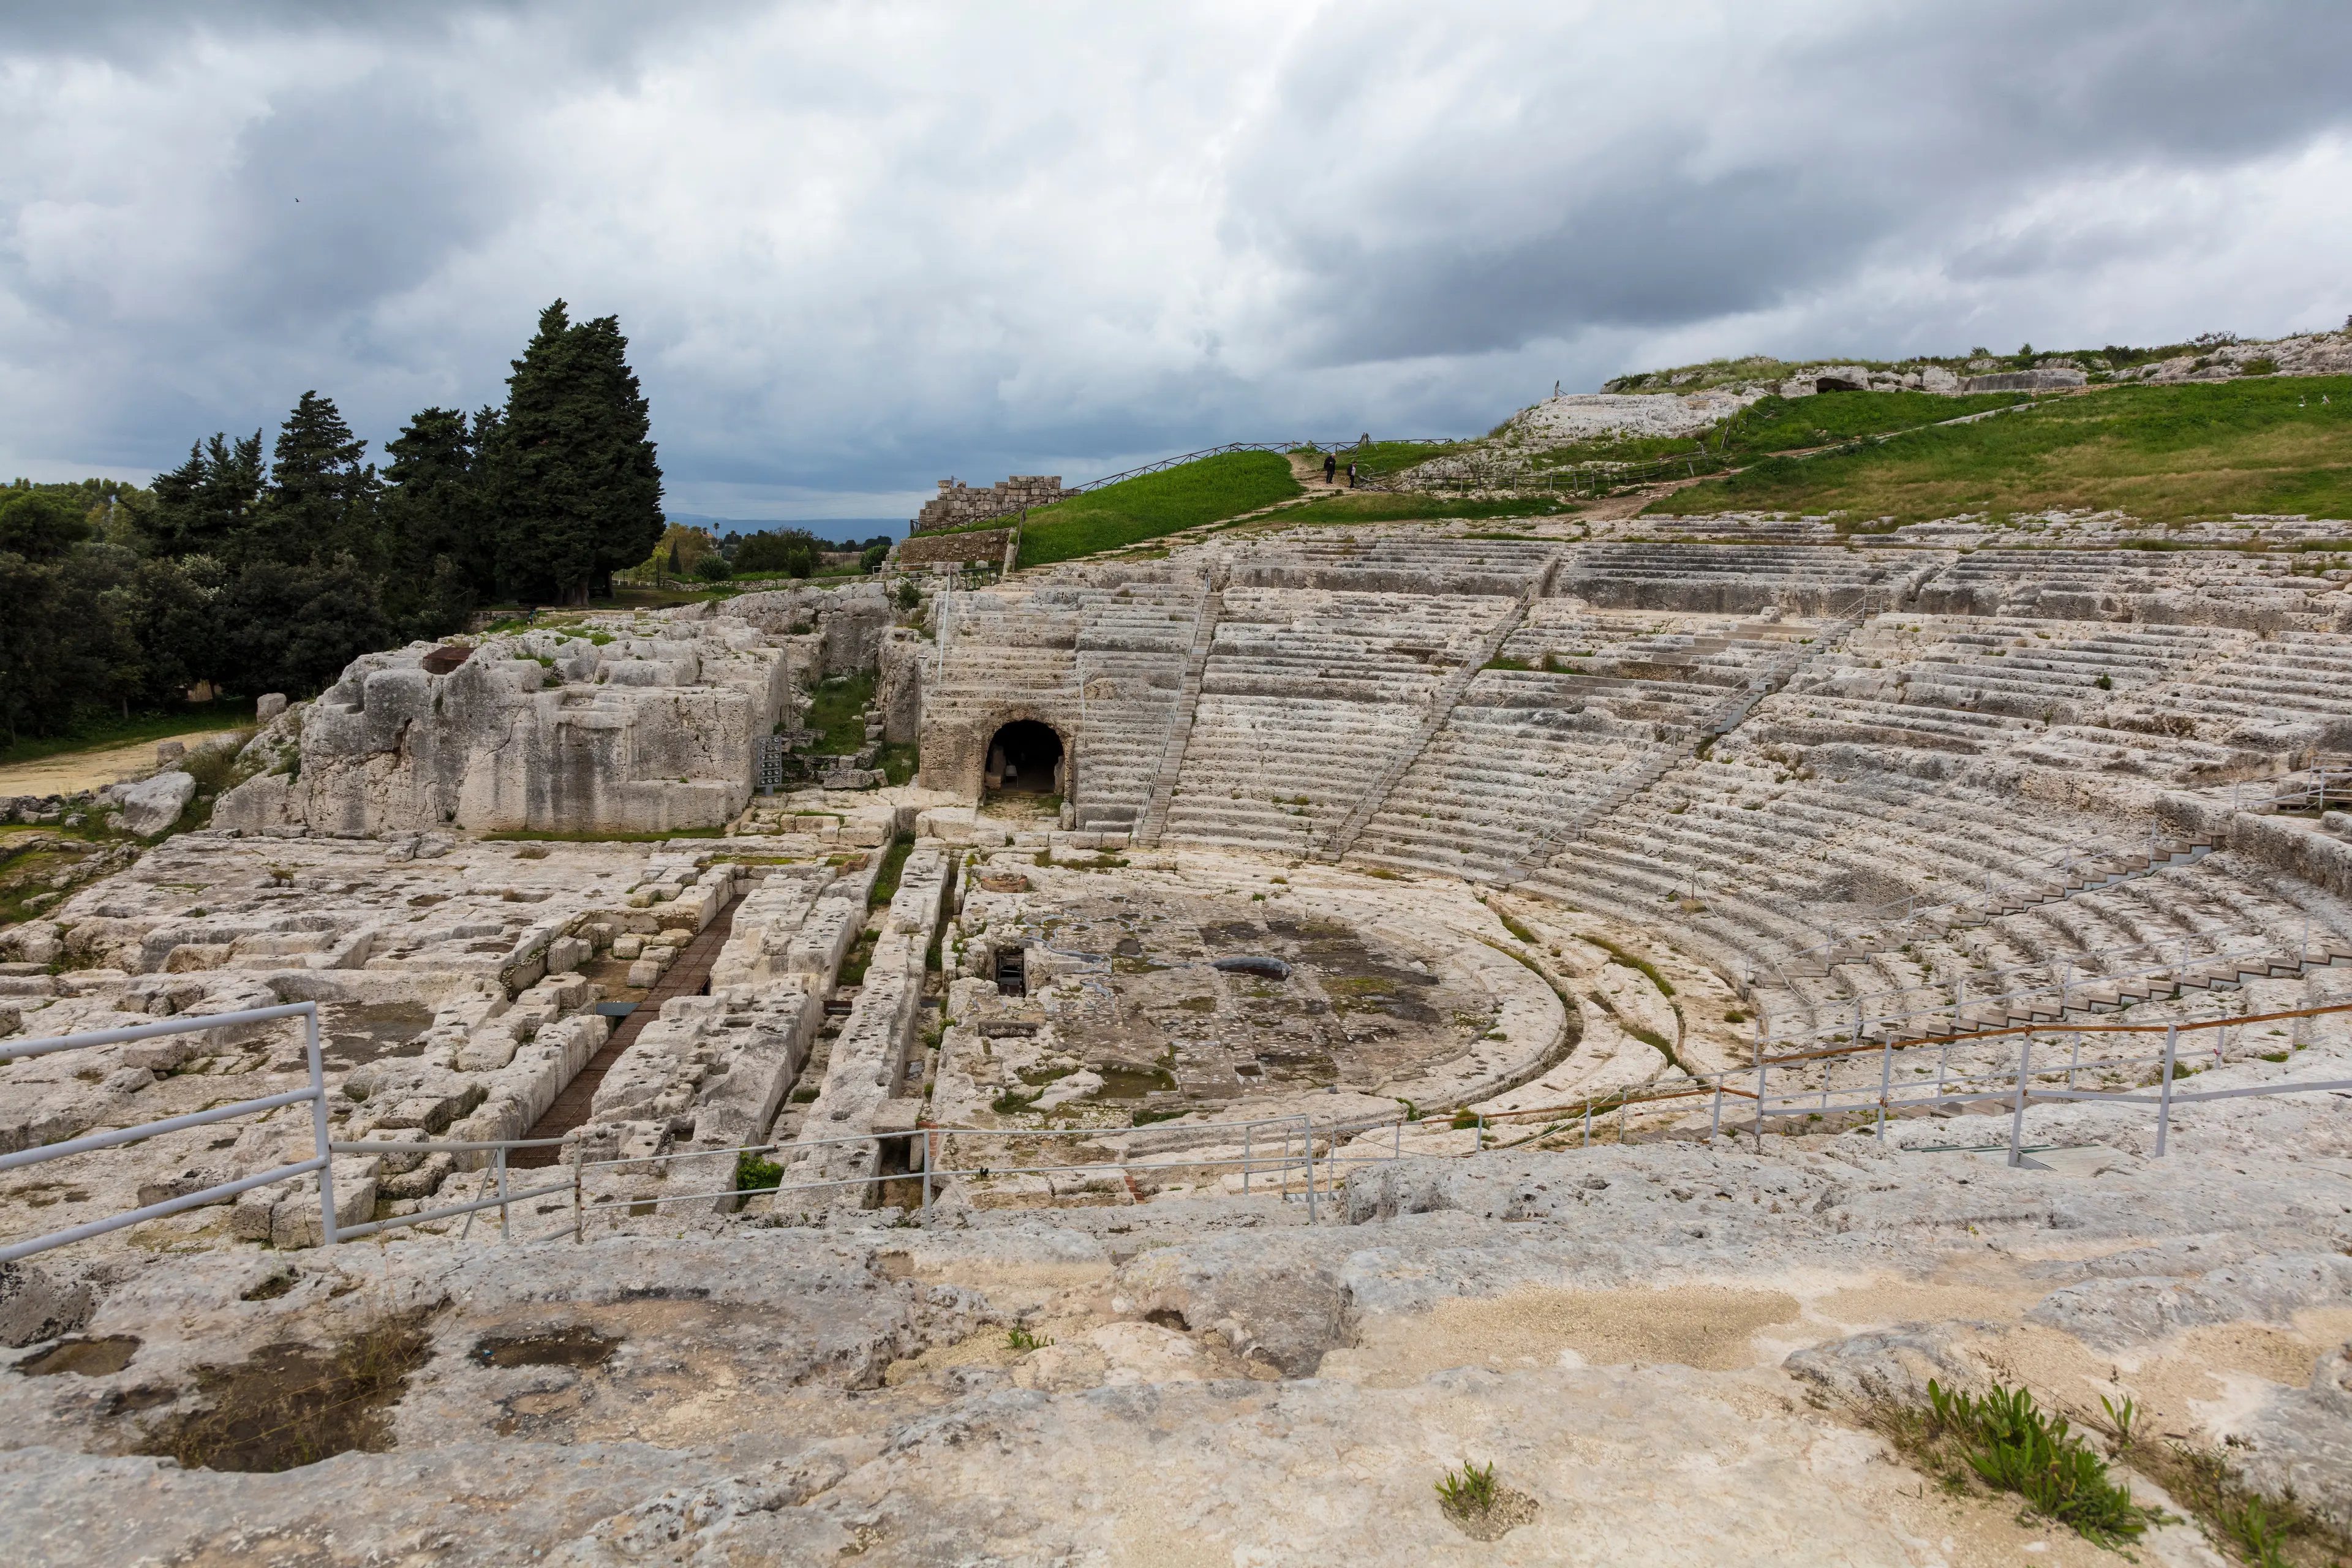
(190, 1023)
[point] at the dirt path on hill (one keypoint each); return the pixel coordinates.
(68, 772)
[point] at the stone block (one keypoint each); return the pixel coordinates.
(153, 804)
(645, 971)
(567, 952)
(628, 946)
(270, 706)
(170, 752)
(294, 1223)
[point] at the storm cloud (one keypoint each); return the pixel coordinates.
(858, 248)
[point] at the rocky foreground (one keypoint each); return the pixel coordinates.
(1669, 1354)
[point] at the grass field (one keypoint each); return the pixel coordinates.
(1388, 457)
(1155, 504)
(2163, 453)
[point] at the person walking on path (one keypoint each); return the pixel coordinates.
(1351, 475)
(1330, 467)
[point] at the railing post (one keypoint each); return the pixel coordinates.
(1715, 1126)
(319, 1136)
(927, 1162)
(1762, 1066)
(1308, 1126)
(500, 1155)
(2073, 1060)
(2017, 1117)
(2164, 1097)
(1885, 1079)
(1588, 1124)
(578, 1150)
(1246, 1160)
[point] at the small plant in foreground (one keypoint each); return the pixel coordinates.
(1021, 1338)
(2015, 1447)
(1468, 1490)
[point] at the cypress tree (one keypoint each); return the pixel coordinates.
(571, 475)
(433, 524)
(202, 506)
(321, 501)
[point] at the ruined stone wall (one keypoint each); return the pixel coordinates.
(846, 623)
(957, 502)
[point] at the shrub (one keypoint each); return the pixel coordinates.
(713, 568)
(2013, 1447)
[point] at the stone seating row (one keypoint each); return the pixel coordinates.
(1494, 779)
(1810, 580)
(1279, 773)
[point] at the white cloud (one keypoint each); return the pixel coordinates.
(858, 248)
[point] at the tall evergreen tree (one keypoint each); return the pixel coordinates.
(202, 506)
(434, 536)
(572, 475)
(321, 501)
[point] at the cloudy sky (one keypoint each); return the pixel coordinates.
(858, 248)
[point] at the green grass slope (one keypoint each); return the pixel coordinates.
(1151, 505)
(2162, 454)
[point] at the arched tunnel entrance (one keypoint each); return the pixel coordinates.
(1025, 757)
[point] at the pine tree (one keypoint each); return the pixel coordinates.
(321, 501)
(571, 477)
(433, 525)
(204, 504)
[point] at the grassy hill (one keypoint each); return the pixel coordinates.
(1151, 505)
(2161, 453)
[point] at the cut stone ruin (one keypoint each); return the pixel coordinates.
(1388, 835)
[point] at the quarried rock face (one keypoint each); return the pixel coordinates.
(543, 730)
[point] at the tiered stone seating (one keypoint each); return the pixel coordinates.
(1307, 695)
(2198, 587)
(2038, 669)
(2291, 690)
(1524, 749)
(1813, 580)
(1129, 668)
(1779, 863)
(1414, 561)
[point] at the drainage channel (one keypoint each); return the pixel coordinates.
(687, 975)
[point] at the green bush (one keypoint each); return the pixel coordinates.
(713, 568)
(2014, 1448)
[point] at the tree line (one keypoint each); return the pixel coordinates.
(256, 576)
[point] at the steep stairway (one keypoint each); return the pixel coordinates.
(1179, 726)
(1440, 708)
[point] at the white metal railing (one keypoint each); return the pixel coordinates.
(314, 1093)
(2306, 789)
(926, 1146)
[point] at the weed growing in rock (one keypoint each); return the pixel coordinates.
(1470, 1487)
(1481, 1507)
(2013, 1447)
(1021, 1338)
